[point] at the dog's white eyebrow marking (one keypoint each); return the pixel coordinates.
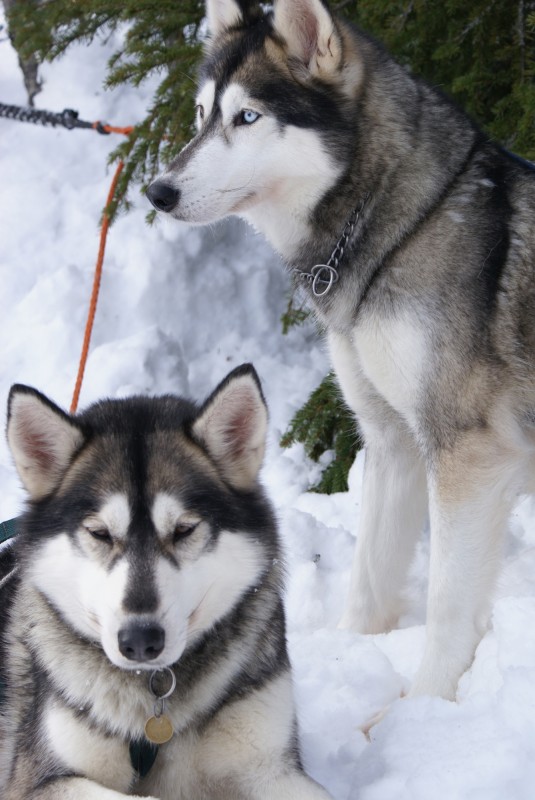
(206, 97)
(233, 99)
(114, 515)
(166, 511)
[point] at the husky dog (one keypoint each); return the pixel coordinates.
(145, 604)
(414, 237)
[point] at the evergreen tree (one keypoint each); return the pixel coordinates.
(325, 424)
(28, 65)
(160, 36)
(481, 52)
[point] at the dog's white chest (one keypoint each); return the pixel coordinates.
(392, 355)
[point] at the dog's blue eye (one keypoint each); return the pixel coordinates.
(247, 117)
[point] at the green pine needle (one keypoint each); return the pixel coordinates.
(325, 424)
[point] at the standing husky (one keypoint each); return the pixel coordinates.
(146, 605)
(414, 237)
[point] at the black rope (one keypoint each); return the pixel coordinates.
(68, 118)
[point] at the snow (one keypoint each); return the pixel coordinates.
(179, 308)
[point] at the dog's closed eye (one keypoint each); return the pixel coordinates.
(183, 529)
(100, 534)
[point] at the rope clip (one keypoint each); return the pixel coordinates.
(102, 127)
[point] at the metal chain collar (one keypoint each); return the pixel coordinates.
(322, 277)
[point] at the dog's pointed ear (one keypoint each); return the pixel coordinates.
(42, 439)
(310, 34)
(232, 426)
(222, 14)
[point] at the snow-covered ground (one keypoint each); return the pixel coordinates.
(179, 308)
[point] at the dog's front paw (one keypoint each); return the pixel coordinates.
(434, 684)
(438, 675)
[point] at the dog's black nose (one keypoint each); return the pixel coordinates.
(141, 642)
(163, 196)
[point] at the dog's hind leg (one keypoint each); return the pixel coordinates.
(473, 485)
(394, 502)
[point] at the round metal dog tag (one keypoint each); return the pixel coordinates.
(159, 730)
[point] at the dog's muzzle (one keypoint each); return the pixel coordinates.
(163, 196)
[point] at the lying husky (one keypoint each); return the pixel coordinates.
(146, 606)
(414, 237)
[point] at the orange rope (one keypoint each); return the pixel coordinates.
(113, 129)
(96, 285)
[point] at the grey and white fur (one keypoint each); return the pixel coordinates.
(303, 119)
(148, 544)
